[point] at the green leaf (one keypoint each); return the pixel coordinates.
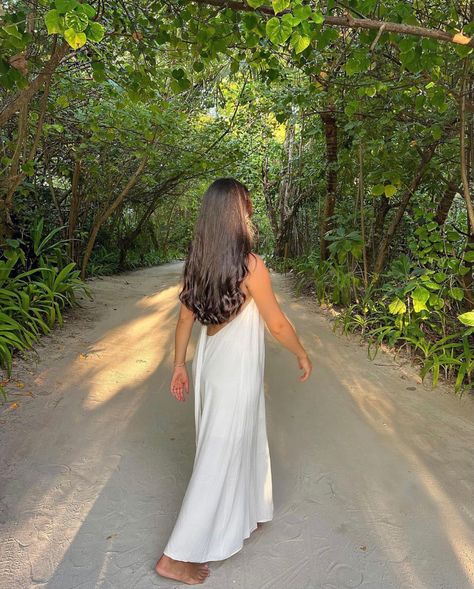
(436, 132)
(13, 31)
(278, 30)
(98, 69)
(255, 3)
(299, 42)
(389, 190)
(302, 13)
(62, 101)
(463, 50)
(436, 301)
(250, 21)
(280, 5)
(467, 318)
(456, 293)
(75, 39)
(351, 66)
(419, 297)
(397, 307)
(290, 20)
(87, 9)
(317, 17)
(378, 189)
(54, 22)
(28, 167)
(76, 20)
(178, 73)
(469, 257)
(65, 5)
(95, 32)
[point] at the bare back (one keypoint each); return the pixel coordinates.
(258, 285)
(213, 329)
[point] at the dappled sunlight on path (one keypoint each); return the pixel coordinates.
(372, 473)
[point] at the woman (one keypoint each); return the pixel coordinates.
(228, 289)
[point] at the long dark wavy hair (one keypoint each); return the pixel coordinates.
(216, 262)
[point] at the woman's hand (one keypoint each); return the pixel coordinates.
(305, 364)
(179, 383)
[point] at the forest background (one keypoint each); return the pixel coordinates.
(350, 122)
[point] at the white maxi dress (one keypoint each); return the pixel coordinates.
(230, 489)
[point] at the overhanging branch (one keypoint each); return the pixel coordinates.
(349, 22)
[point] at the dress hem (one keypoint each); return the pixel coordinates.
(260, 521)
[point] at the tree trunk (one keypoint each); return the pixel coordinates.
(467, 280)
(330, 132)
(74, 210)
(426, 156)
(102, 216)
(24, 97)
(285, 190)
(22, 155)
(462, 148)
(131, 236)
(446, 201)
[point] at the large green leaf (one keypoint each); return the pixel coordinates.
(66, 5)
(76, 20)
(54, 22)
(469, 256)
(389, 190)
(456, 293)
(420, 297)
(95, 32)
(75, 40)
(302, 13)
(87, 9)
(397, 307)
(467, 318)
(280, 5)
(278, 30)
(299, 42)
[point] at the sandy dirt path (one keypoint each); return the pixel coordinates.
(373, 474)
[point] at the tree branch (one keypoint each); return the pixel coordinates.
(355, 23)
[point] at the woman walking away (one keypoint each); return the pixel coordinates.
(228, 289)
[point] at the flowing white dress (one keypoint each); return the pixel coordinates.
(230, 489)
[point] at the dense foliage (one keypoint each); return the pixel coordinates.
(351, 122)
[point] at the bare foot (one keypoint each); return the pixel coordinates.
(191, 573)
(259, 526)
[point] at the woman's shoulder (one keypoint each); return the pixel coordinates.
(254, 262)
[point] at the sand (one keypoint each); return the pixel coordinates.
(372, 471)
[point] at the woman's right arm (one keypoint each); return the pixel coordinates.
(259, 284)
